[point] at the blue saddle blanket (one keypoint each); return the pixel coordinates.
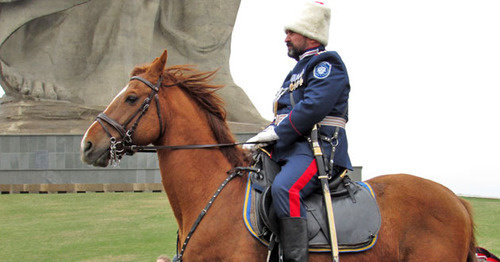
(357, 218)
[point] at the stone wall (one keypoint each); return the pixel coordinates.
(55, 159)
(51, 163)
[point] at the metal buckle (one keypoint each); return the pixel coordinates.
(115, 154)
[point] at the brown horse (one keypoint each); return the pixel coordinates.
(421, 220)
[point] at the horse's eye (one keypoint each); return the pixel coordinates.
(131, 99)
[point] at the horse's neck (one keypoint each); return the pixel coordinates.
(190, 176)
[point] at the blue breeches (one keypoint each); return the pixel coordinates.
(297, 179)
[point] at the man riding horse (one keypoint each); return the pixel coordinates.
(315, 92)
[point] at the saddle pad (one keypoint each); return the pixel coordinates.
(357, 223)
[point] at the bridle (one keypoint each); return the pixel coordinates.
(119, 148)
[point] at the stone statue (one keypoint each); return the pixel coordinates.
(62, 61)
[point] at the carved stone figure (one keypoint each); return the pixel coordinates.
(62, 61)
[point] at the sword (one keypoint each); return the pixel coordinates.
(323, 176)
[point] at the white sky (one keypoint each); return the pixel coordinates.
(425, 80)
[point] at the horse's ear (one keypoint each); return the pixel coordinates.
(158, 64)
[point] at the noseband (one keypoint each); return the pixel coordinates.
(119, 148)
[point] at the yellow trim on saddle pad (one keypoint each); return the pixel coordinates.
(247, 208)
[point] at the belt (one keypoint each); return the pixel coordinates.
(327, 121)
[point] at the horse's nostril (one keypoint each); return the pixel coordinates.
(88, 146)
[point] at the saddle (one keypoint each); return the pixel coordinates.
(357, 216)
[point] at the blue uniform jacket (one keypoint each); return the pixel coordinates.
(320, 87)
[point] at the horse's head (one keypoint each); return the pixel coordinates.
(132, 117)
(155, 95)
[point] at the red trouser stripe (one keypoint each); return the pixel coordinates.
(294, 192)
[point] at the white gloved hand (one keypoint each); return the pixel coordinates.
(264, 138)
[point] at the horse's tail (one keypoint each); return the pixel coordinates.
(471, 255)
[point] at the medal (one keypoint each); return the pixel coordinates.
(295, 84)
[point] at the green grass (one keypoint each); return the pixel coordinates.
(86, 227)
(487, 219)
(125, 226)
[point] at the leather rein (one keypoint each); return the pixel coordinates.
(125, 146)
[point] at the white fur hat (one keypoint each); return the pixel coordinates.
(312, 21)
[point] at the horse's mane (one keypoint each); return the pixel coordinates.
(197, 85)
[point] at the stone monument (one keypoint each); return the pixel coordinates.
(61, 62)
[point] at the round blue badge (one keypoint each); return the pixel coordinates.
(322, 70)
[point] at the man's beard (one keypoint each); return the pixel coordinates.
(294, 51)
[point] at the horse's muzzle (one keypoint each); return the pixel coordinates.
(90, 155)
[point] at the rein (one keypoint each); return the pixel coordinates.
(125, 146)
(154, 149)
(233, 173)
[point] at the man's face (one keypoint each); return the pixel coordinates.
(296, 44)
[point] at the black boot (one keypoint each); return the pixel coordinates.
(294, 240)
